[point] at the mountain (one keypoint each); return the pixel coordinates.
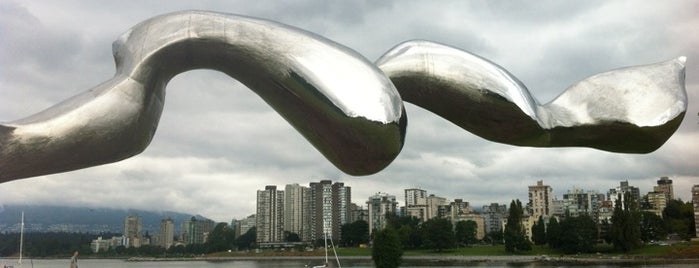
(44, 218)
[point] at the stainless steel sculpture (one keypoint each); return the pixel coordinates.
(629, 110)
(340, 102)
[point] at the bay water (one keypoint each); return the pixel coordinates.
(115, 263)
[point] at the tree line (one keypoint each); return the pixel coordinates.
(628, 228)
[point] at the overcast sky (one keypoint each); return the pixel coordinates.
(218, 142)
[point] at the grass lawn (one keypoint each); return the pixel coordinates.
(687, 249)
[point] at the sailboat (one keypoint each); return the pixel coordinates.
(21, 240)
(21, 243)
(325, 241)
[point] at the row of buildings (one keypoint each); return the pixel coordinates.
(320, 209)
(323, 207)
(193, 231)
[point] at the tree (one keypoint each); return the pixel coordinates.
(514, 231)
(355, 233)
(626, 223)
(539, 232)
(553, 233)
(438, 234)
(387, 251)
(221, 238)
(247, 240)
(465, 232)
(494, 238)
(652, 227)
(407, 228)
(679, 218)
(580, 234)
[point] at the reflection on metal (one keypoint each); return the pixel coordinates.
(341, 103)
(628, 110)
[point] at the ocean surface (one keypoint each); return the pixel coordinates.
(108, 263)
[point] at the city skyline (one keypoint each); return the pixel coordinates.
(217, 142)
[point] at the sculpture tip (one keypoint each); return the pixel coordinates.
(682, 59)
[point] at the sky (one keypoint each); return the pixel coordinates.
(218, 143)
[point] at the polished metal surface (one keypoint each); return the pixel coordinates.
(339, 101)
(344, 105)
(628, 110)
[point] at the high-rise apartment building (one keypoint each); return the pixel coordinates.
(270, 215)
(321, 209)
(196, 231)
(341, 210)
(379, 205)
(577, 202)
(695, 201)
(416, 203)
(540, 200)
(436, 206)
(624, 187)
(329, 209)
(167, 233)
(294, 217)
(415, 197)
(133, 231)
(244, 225)
(657, 201)
(358, 213)
(494, 216)
(665, 186)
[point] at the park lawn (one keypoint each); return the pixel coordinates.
(680, 249)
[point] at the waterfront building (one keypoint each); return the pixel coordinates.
(244, 225)
(495, 216)
(624, 187)
(341, 200)
(195, 231)
(577, 202)
(416, 203)
(540, 200)
(379, 205)
(358, 213)
(270, 215)
(665, 186)
(100, 245)
(478, 219)
(294, 215)
(167, 233)
(458, 207)
(436, 206)
(657, 202)
(133, 230)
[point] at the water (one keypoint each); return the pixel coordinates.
(106, 263)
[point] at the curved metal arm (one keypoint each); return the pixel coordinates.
(628, 110)
(340, 102)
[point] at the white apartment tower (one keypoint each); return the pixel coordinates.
(270, 217)
(540, 200)
(416, 203)
(294, 215)
(133, 229)
(379, 205)
(167, 233)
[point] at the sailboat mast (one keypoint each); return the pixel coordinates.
(325, 241)
(21, 238)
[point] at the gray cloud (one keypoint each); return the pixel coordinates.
(217, 142)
